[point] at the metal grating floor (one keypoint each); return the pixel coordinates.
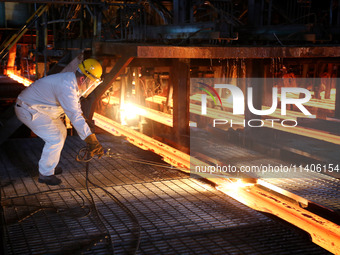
(176, 214)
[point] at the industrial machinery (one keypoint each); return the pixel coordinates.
(165, 67)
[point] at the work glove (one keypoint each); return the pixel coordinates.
(94, 147)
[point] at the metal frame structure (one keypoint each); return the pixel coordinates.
(179, 60)
(112, 26)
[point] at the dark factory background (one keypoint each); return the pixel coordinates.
(146, 198)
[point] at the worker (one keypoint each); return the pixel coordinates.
(44, 102)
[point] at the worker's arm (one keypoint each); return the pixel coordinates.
(69, 101)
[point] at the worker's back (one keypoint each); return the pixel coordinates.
(45, 91)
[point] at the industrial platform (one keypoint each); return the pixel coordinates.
(148, 206)
(163, 63)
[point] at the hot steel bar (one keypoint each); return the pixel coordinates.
(323, 232)
(170, 155)
(161, 117)
(23, 80)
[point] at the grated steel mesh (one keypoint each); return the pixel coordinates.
(176, 214)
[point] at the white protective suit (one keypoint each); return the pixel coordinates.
(40, 106)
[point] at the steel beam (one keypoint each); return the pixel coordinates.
(16, 37)
(160, 117)
(337, 96)
(140, 51)
(180, 79)
(57, 2)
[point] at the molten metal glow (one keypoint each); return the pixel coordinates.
(26, 82)
(234, 185)
(130, 111)
(323, 232)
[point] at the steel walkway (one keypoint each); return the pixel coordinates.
(176, 214)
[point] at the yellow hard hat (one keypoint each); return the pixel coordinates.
(91, 68)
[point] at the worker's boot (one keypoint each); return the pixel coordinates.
(58, 170)
(49, 180)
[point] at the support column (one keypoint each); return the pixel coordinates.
(305, 69)
(45, 42)
(267, 88)
(3, 22)
(181, 12)
(255, 17)
(329, 81)
(255, 71)
(11, 58)
(180, 78)
(337, 97)
(122, 92)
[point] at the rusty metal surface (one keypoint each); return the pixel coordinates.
(177, 214)
(150, 51)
